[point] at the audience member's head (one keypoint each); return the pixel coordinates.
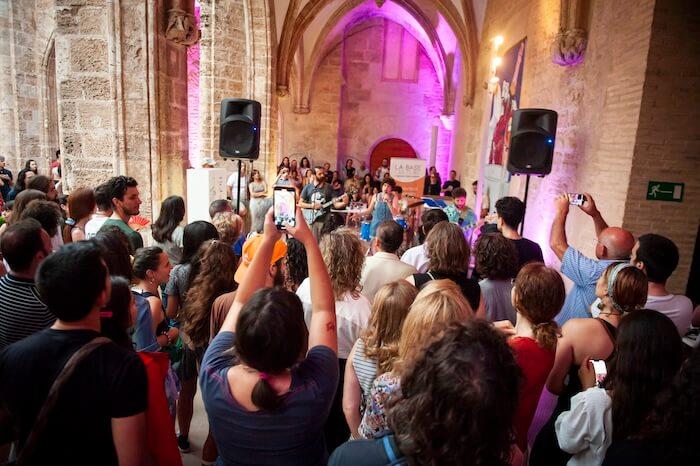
(389, 309)
(389, 236)
(276, 271)
(103, 199)
(151, 265)
(229, 226)
(538, 296)
(23, 177)
(115, 249)
(447, 249)
(119, 314)
(45, 185)
(438, 304)
(258, 212)
(656, 255)
(510, 211)
(271, 337)
(296, 266)
(622, 288)
(124, 196)
(428, 220)
(496, 257)
(24, 246)
(194, 235)
(81, 205)
(219, 205)
(215, 277)
(466, 381)
(74, 281)
(344, 257)
(31, 165)
(333, 221)
(172, 212)
(45, 212)
(648, 354)
(22, 200)
(614, 244)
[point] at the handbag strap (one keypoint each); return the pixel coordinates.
(54, 392)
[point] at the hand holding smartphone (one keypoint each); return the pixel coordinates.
(284, 207)
(576, 199)
(601, 371)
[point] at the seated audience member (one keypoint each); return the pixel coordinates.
(49, 215)
(45, 185)
(376, 350)
(657, 256)
(450, 185)
(497, 264)
(18, 205)
(151, 270)
(23, 177)
(437, 305)
(466, 382)
(101, 403)
(384, 266)
(167, 231)
(81, 206)
(669, 435)
(510, 212)
(273, 278)
(648, 354)
(218, 206)
(538, 294)
(622, 289)
(613, 244)
(24, 246)
(5, 179)
(124, 195)
(449, 258)
(103, 201)
(268, 402)
(343, 255)
(417, 256)
(296, 268)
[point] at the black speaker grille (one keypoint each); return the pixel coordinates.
(237, 136)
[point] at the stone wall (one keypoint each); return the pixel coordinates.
(667, 146)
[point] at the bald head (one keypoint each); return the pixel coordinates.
(617, 243)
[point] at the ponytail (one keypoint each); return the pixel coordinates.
(264, 396)
(546, 334)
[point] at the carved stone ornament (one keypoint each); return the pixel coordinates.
(182, 27)
(568, 47)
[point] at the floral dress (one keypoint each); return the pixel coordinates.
(384, 389)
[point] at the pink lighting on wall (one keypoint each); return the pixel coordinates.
(193, 120)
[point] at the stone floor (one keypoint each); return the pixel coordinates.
(198, 433)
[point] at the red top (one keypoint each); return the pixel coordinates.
(536, 363)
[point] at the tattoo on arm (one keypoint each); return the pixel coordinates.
(330, 327)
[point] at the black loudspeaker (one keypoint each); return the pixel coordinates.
(532, 135)
(239, 135)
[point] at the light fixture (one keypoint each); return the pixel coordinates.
(496, 61)
(498, 41)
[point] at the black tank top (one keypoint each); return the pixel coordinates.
(470, 287)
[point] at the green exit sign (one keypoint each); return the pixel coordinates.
(664, 191)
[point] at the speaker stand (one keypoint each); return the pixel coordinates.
(527, 188)
(238, 190)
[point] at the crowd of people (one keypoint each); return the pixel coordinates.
(312, 346)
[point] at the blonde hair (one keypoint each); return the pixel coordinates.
(229, 225)
(344, 257)
(439, 303)
(389, 309)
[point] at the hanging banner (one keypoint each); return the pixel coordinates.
(409, 174)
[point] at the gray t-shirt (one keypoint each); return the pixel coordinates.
(177, 285)
(497, 300)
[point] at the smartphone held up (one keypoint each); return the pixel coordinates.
(576, 199)
(284, 207)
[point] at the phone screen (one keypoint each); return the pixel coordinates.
(601, 371)
(576, 199)
(284, 202)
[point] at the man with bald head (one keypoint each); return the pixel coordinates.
(613, 244)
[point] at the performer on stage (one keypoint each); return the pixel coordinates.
(383, 206)
(317, 199)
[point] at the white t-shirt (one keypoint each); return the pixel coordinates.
(232, 182)
(678, 308)
(585, 430)
(352, 316)
(93, 225)
(417, 256)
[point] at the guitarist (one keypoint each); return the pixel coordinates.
(316, 200)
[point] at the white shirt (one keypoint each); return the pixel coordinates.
(678, 308)
(380, 269)
(351, 314)
(585, 430)
(232, 182)
(417, 256)
(93, 225)
(381, 171)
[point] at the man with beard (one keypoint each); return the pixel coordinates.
(314, 199)
(125, 203)
(275, 277)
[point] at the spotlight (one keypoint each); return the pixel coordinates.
(498, 41)
(496, 62)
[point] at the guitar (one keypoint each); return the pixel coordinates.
(311, 215)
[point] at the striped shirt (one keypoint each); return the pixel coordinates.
(365, 368)
(21, 311)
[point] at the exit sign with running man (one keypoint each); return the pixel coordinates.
(664, 191)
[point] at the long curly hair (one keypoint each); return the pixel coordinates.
(458, 399)
(496, 257)
(297, 268)
(344, 257)
(215, 277)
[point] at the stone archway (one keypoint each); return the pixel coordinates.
(388, 148)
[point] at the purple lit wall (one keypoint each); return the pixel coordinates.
(193, 121)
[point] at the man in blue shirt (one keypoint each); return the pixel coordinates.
(613, 244)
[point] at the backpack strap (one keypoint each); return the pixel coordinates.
(394, 460)
(54, 392)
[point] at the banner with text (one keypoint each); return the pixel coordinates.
(409, 174)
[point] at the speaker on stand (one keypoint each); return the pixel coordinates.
(239, 133)
(532, 136)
